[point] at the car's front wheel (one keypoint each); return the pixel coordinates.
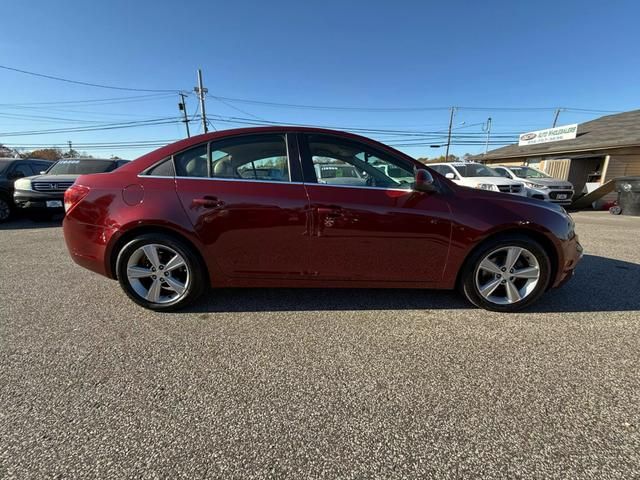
(160, 272)
(506, 274)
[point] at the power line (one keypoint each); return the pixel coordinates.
(302, 106)
(325, 107)
(107, 126)
(44, 118)
(415, 133)
(230, 105)
(87, 84)
(400, 109)
(99, 101)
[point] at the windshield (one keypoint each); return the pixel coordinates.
(338, 171)
(81, 167)
(476, 170)
(528, 172)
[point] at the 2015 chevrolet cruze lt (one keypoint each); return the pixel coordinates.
(301, 207)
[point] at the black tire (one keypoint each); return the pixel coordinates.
(197, 276)
(6, 209)
(467, 282)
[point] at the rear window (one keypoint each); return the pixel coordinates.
(82, 167)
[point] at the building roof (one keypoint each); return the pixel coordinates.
(612, 131)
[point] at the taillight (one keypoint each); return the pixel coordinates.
(73, 195)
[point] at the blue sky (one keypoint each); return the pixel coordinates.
(487, 55)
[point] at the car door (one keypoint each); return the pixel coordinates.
(369, 224)
(246, 201)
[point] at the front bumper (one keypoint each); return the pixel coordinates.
(572, 254)
(32, 200)
(550, 195)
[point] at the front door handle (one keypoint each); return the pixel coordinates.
(331, 211)
(207, 202)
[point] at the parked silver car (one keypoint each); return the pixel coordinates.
(538, 184)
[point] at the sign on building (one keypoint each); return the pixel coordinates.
(566, 132)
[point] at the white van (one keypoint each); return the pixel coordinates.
(476, 175)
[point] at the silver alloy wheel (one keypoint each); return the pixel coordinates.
(158, 273)
(507, 275)
(4, 210)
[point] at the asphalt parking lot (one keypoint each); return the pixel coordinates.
(318, 383)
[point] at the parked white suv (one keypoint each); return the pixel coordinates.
(539, 185)
(476, 175)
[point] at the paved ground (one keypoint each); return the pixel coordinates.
(318, 383)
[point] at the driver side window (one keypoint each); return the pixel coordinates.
(346, 163)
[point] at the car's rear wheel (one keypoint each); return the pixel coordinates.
(506, 274)
(5, 210)
(160, 272)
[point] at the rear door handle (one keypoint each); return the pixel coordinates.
(207, 202)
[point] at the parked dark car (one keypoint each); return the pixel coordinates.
(12, 169)
(41, 196)
(200, 212)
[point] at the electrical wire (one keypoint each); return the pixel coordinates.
(98, 101)
(108, 126)
(87, 84)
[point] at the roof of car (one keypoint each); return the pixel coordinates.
(97, 159)
(220, 134)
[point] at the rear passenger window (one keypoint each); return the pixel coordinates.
(254, 157)
(250, 157)
(192, 163)
(163, 169)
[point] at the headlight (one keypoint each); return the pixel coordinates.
(22, 184)
(538, 185)
(488, 186)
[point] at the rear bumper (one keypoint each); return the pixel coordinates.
(87, 244)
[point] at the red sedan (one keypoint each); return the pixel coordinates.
(301, 207)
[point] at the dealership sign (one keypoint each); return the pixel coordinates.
(555, 134)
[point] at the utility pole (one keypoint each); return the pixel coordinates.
(183, 106)
(555, 118)
(446, 155)
(70, 147)
(201, 91)
(486, 145)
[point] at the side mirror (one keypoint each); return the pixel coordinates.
(450, 176)
(42, 172)
(423, 181)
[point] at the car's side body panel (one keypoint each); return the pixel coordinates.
(292, 235)
(475, 221)
(377, 234)
(250, 228)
